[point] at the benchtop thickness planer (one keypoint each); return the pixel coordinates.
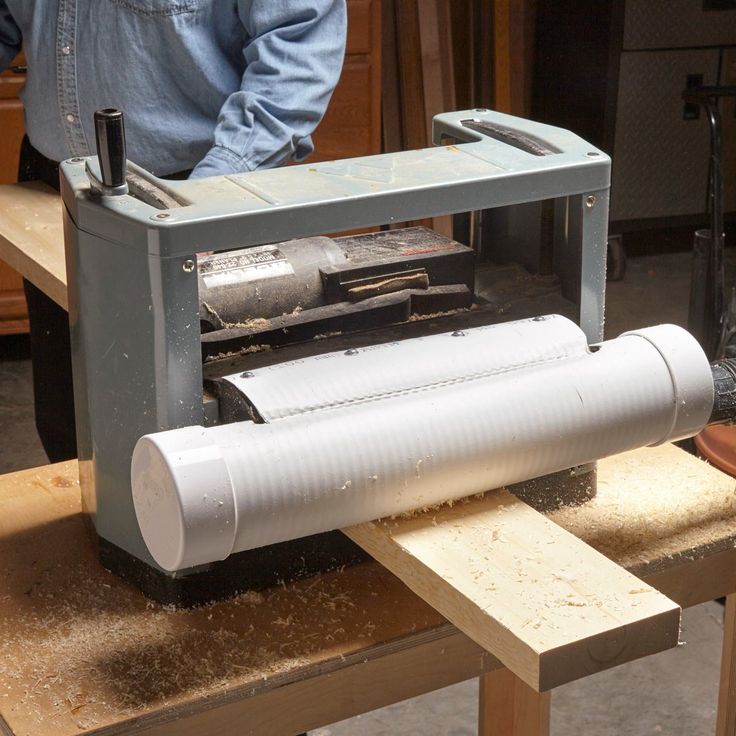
(289, 384)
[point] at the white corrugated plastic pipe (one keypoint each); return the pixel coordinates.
(373, 446)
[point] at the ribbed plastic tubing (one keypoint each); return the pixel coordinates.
(368, 433)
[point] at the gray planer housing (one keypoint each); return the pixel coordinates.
(134, 302)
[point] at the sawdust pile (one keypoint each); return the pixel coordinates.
(254, 323)
(89, 652)
(237, 353)
(644, 525)
(435, 315)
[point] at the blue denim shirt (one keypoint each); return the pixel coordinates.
(223, 85)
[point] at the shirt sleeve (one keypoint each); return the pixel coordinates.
(10, 37)
(294, 57)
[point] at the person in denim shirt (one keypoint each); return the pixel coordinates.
(218, 86)
(208, 87)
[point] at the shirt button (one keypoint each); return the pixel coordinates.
(66, 50)
(70, 118)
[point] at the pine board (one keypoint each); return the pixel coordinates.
(548, 606)
(655, 509)
(32, 236)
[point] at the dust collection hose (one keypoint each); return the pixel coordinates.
(724, 395)
(202, 494)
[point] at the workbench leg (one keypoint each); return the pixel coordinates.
(726, 725)
(509, 707)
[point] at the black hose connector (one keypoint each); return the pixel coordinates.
(110, 135)
(724, 392)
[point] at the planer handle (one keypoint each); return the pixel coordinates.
(111, 153)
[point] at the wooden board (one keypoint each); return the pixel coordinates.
(82, 652)
(32, 236)
(510, 579)
(419, 82)
(681, 510)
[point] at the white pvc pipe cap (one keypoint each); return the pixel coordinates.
(184, 498)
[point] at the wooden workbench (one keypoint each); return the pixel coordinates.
(81, 651)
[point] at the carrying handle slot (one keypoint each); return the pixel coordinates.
(511, 137)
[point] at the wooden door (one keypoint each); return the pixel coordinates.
(13, 316)
(352, 123)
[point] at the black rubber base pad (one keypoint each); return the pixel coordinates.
(252, 570)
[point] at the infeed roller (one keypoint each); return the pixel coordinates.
(387, 330)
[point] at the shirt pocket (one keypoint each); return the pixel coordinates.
(160, 8)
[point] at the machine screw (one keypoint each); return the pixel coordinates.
(481, 109)
(188, 266)
(592, 153)
(161, 216)
(590, 200)
(76, 160)
(352, 351)
(247, 374)
(458, 333)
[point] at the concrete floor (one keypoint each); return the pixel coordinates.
(20, 447)
(671, 693)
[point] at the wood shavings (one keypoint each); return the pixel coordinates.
(434, 315)
(237, 353)
(113, 655)
(255, 323)
(641, 525)
(80, 649)
(421, 510)
(251, 596)
(214, 314)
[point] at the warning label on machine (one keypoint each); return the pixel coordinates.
(255, 264)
